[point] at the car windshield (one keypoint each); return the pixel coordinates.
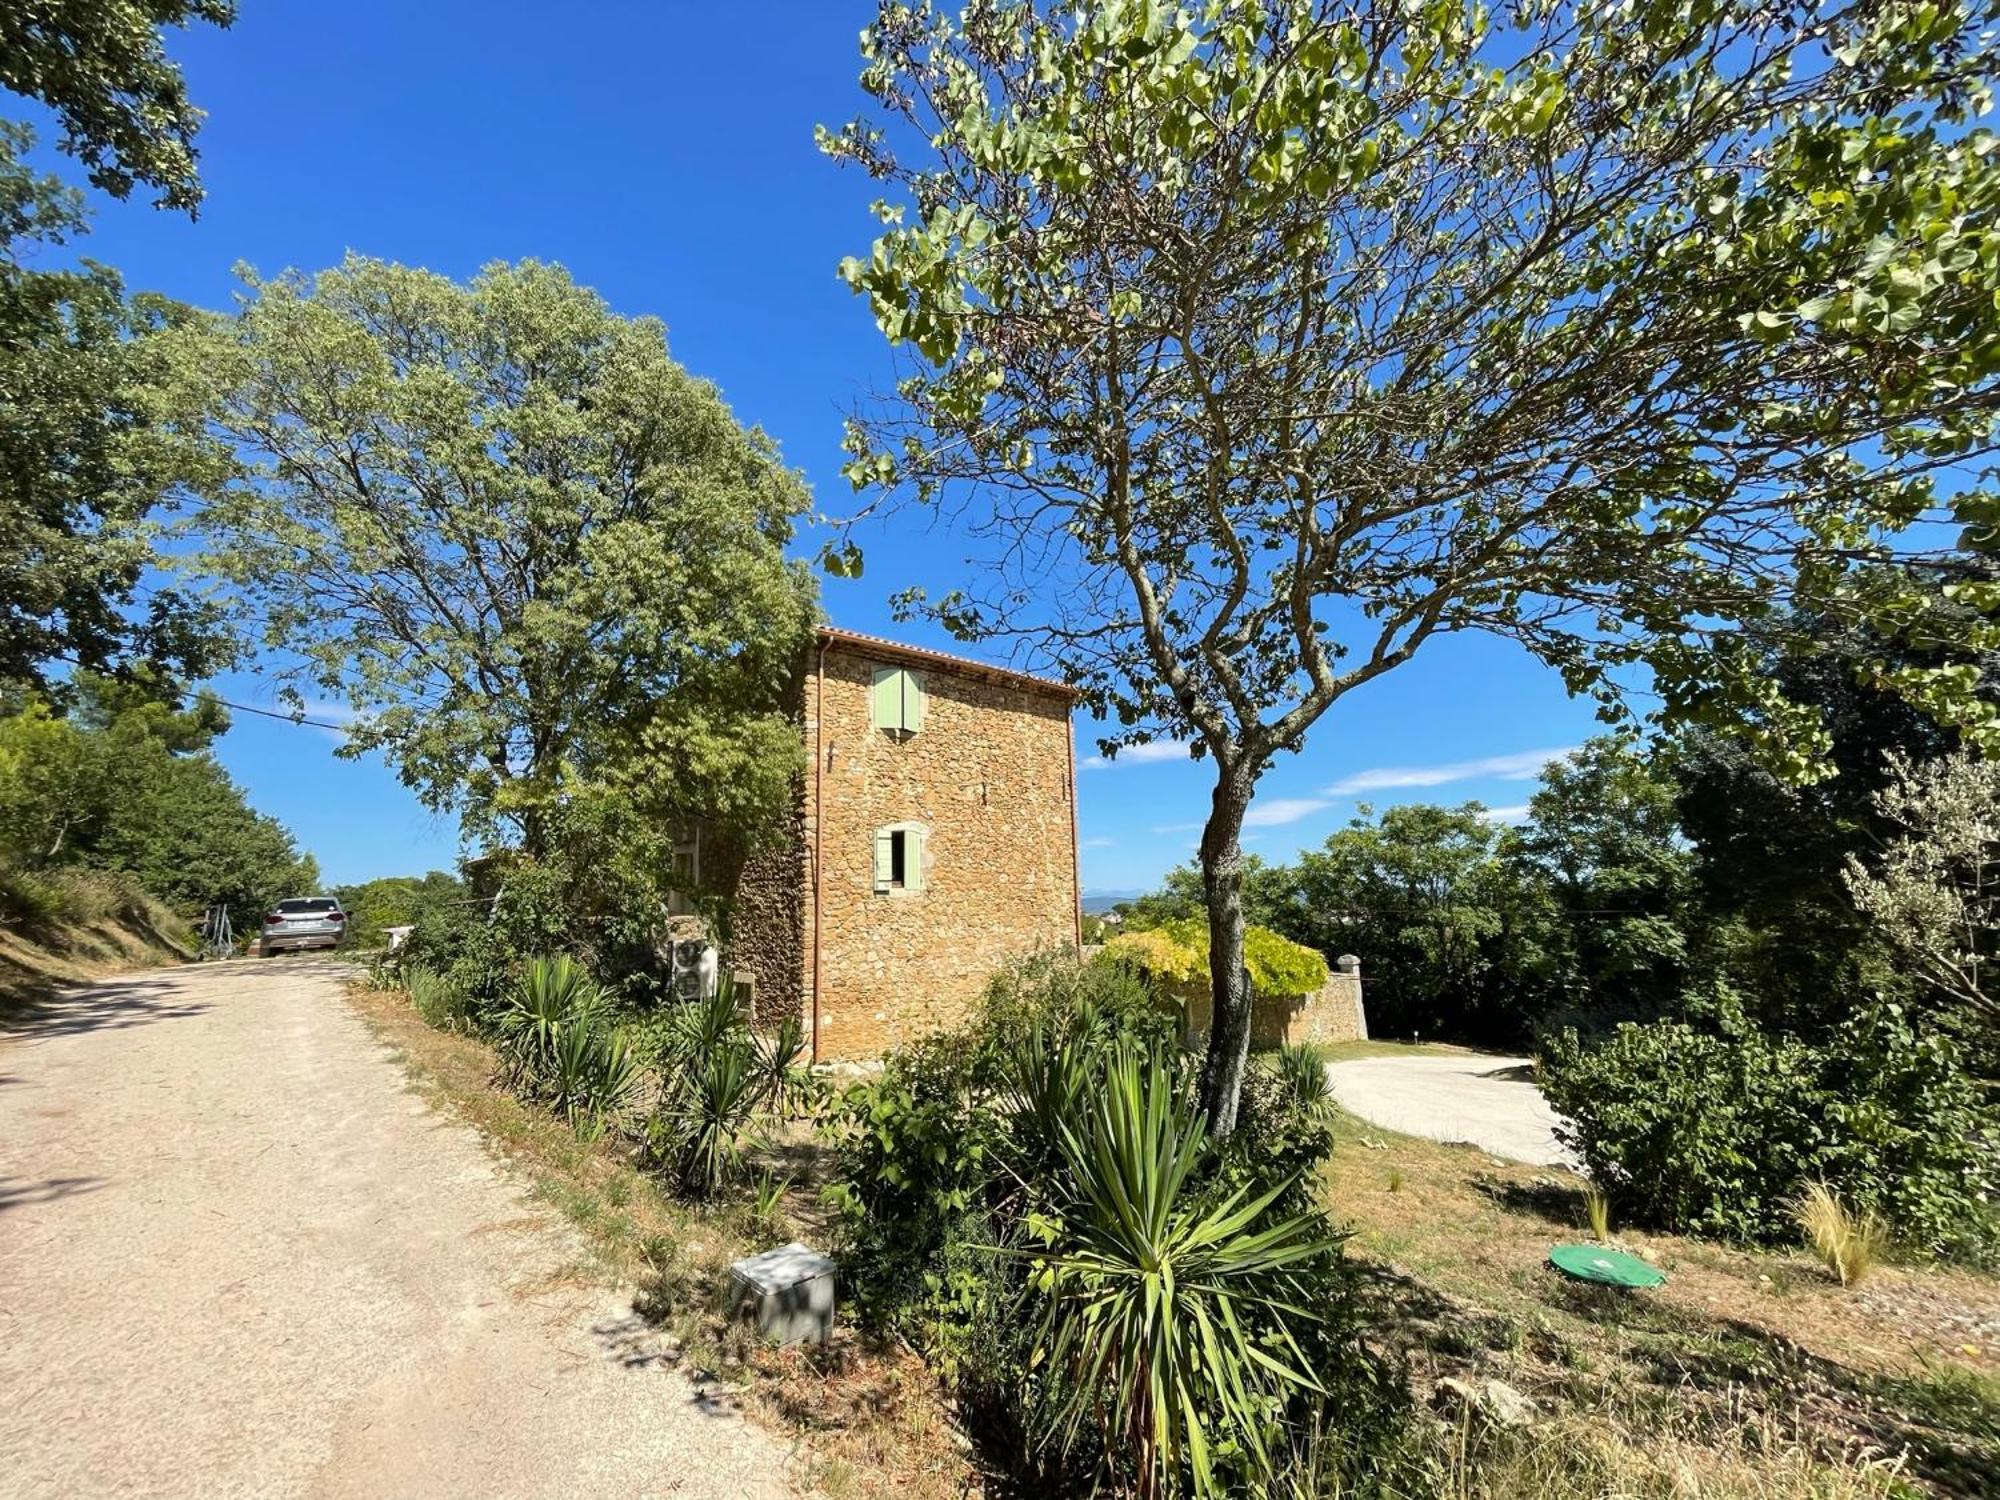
(310, 904)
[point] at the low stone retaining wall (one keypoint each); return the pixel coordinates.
(1333, 1014)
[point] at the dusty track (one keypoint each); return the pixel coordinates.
(238, 1257)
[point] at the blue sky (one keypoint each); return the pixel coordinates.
(664, 154)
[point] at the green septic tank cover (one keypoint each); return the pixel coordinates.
(1599, 1263)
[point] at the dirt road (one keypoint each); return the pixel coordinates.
(238, 1257)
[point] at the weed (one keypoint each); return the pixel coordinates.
(1597, 1209)
(767, 1210)
(1849, 1244)
(1395, 1179)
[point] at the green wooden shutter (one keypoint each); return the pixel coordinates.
(886, 699)
(913, 702)
(913, 859)
(884, 860)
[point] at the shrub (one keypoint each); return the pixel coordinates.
(1117, 1298)
(717, 1075)
(558, 1049)
(1176, 952)
(437, 1001)
(1718, 1131)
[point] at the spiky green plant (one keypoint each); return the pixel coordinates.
(552, 995)
(786, 1084)
(767, 1210)
(697, 1132)
(1168, 1312)
(1304, 1075)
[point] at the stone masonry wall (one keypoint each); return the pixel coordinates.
(1333, 1014)
(769, 919)
(988, 778)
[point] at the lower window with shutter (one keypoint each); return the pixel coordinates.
(899, 859)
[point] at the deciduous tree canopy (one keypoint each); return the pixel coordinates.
(541, 562)
(1267, 342)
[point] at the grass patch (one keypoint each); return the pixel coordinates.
(1749, 1374)
(871, 1418)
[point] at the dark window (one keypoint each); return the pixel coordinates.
(899, 857)
(315, 903)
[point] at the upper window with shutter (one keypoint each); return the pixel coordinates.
(896, 703)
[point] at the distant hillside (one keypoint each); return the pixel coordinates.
(1097, 903)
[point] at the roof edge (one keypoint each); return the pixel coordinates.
(965, 666)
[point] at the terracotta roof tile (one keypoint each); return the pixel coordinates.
(875, 645)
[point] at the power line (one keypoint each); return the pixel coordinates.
(182, 695)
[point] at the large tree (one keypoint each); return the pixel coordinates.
(541, 563)
(1267, 341)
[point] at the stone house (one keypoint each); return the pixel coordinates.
(933, 838)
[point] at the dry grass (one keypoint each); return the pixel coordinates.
(109, 929)
(1848, 1244)
(1748, 1374)
(872, 1419)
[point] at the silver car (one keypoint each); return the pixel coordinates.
(304, 922)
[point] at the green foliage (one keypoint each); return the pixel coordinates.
(83, 457)
(125, 783)
(394, 901)
(1117, 1297)
(1718, 1128)
(543, 563)
(717, 1076)
(1166, 1312)
(1605, 331)
(559, 1048)
(1176, 953)
(436, 999)
(102, 68)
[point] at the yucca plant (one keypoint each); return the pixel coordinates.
(1849, 1244)
(786, 1083)
(697, 1132)
(1166, 1313)
(1304, 1074)
(552, 995)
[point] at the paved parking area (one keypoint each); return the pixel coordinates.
(1488, 1100)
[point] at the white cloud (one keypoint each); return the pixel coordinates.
(1281, 810)
(1515, 814)
(1139, 755)
(1522, 765)
(1177, 828)
(1100, 843)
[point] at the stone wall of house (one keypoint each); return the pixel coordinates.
(988, 778)
(768, 919)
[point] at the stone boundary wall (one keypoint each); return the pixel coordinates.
(1332, 1014)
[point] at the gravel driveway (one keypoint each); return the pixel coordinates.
(238, 1257)
(1490, 1101)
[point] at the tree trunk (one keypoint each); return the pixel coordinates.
(1229, 1011)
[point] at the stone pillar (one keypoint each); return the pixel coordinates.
(1348, 967)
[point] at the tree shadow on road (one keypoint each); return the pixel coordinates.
(19, 1192)
(71, 1010)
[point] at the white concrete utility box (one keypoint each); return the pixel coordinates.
(789, 1291)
